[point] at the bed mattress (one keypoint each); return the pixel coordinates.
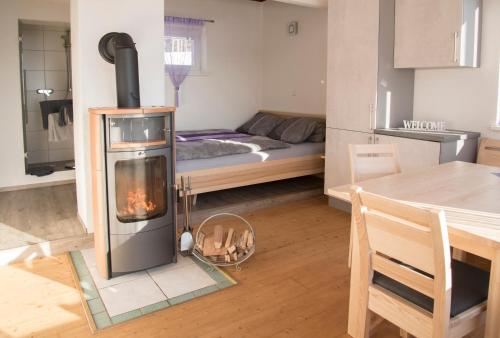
(295, 150)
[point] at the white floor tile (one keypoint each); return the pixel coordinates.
(176, 282)
(181, 262)
(131, 295)
(102, 283)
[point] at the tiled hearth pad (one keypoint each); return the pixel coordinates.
(130, 296)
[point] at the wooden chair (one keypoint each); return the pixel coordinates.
(407, 275)
(489, 152)
(371, 161)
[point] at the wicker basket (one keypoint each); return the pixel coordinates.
(238, 223)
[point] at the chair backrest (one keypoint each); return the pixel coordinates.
(392, 237)
(489, 152)
(373, 160)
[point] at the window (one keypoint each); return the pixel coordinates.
(185, 43)
(182, 51)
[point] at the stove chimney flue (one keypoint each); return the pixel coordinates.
(119, 49)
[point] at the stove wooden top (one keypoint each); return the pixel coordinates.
(131, 111)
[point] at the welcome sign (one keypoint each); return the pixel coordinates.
(424, 125)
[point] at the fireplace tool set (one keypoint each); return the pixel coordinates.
(186, 239)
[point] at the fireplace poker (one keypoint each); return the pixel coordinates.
(186, 239)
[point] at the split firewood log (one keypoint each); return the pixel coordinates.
(218, 236)
(231, 249)
(209, 248)
(245, 239)
(229, 238)
(250, 240)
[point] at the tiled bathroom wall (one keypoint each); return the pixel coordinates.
(44, 64)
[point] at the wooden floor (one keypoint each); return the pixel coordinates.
(296, 285)
(38, 215)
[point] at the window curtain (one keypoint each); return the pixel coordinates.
(178, 64)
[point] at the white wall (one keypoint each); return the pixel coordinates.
(229, 93)
(294, 66)
(12, 172)
(94, 79)
(466, 98)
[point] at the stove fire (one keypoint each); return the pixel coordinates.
(138, 204)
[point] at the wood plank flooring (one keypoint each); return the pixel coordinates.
(38, 215)
(296, 285)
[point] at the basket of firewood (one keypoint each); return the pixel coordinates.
(224, 245)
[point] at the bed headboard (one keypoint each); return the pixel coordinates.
(290, 114)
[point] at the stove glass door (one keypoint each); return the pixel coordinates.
(140, 188)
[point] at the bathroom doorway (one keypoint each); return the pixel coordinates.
(47, 106)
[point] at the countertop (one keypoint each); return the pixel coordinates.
(434, 136)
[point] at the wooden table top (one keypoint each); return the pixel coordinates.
(469, 193)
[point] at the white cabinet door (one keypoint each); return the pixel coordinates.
(427, 33)
(352, 63)
(337, 167)
(413, 154)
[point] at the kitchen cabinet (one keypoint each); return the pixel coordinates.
(364, 90)
(437, 33)
(424, 149)
(413, 154)
(352, 64)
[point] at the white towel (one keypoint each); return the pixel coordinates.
(58, 133)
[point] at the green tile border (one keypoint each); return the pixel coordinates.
(98, 312)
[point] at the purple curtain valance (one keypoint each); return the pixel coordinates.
(184, 21)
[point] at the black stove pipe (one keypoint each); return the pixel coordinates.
(119, 49)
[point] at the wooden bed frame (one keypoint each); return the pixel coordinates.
(207, 180)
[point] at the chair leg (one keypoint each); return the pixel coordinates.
(364, 316)
(364, 324)
(349, 259)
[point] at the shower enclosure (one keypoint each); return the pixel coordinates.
(45, 70)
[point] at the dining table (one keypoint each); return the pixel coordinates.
(469, 194)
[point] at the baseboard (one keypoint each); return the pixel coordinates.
(339, 204)
(37, 185)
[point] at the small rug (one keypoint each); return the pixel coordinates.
(109, 302)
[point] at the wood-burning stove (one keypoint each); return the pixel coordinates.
(134, 188)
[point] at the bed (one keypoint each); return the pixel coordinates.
(231, 171)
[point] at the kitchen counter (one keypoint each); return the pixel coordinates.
(434, 136)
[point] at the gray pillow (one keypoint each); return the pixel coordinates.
(265, 125)
(245, 127)
(278, 131)
(299, 131)
(319, 133)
